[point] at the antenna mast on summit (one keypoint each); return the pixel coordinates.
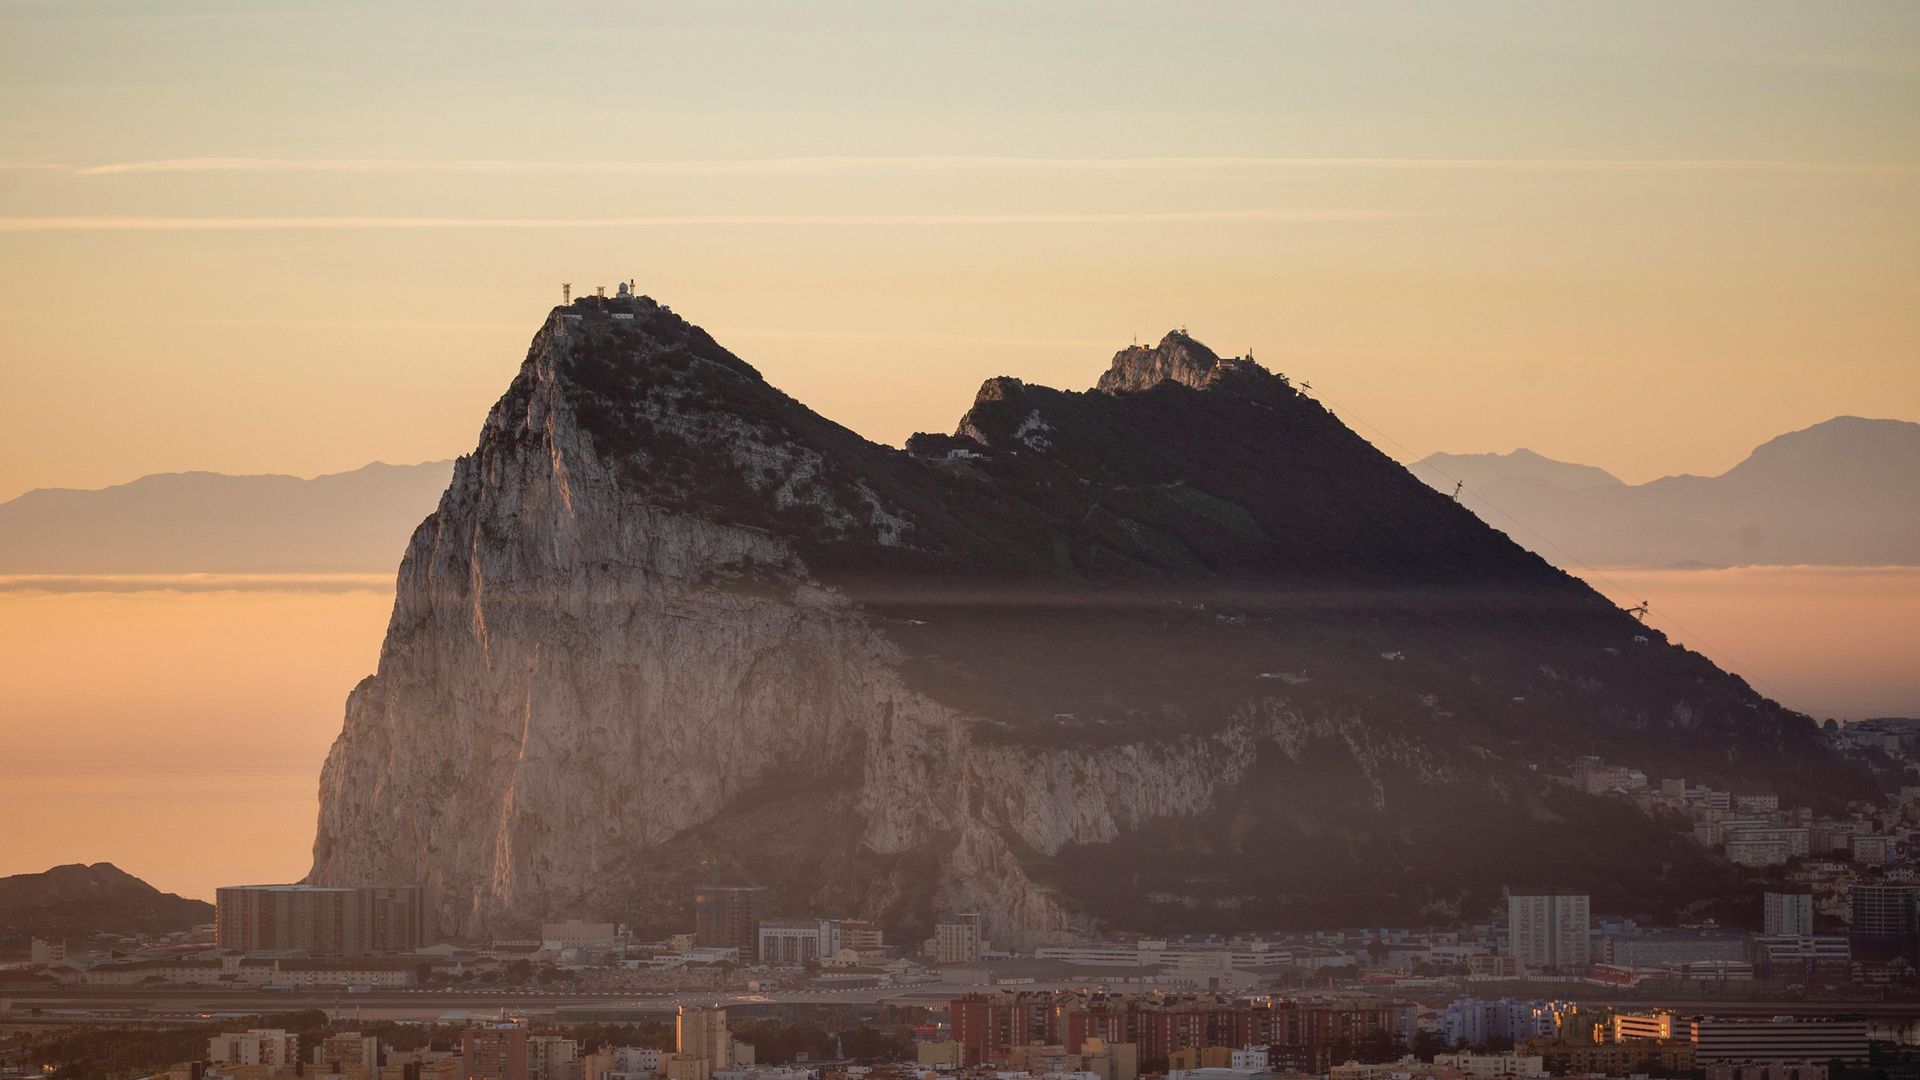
(566, 292)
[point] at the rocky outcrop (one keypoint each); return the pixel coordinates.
(573, 674)
(1178, 359)
(667, 624)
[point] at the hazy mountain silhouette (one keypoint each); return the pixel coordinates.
(1845, 492)
(81, 899)
(1479, 470)
(203, 521)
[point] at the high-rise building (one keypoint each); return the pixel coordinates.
(701, 1035)
(728, 917)
(321, 921)
(494, 1052)
(1885, 920)
(956, 939)
(1548, 929)
(1788, 910)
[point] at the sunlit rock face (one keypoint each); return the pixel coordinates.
(1180, 653)
(1178, 358)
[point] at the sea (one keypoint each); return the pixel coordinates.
(175, 724)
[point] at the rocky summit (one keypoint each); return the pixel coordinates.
(1178, 652)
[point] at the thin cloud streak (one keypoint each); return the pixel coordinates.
(231, 224)
(952, 163)
(66, 584)
(912, 339)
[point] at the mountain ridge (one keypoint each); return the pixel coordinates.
(1845, 491)
(669, 625)
(199, 521)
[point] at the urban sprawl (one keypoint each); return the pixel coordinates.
(1553, 988)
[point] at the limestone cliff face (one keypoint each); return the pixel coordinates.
(572, 676)
(668, 624)
(1178, 359)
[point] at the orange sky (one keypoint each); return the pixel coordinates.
(300, 237)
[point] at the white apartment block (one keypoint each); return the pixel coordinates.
(1549, 930)
(260, 1046)
(957, 940)
(1788, 912)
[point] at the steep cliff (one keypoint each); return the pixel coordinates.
(1179, 651)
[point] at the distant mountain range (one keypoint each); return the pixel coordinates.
(202, 521)
(77, 900)
(1845, 492)
(1479, 470)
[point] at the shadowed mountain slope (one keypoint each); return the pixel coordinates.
(1181, 651)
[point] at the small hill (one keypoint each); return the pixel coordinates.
(77, 899)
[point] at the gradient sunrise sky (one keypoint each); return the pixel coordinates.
(297, 237)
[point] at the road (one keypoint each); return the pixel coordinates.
(433, 1003)
(427, 1004)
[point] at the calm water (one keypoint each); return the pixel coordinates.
(175, 726)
